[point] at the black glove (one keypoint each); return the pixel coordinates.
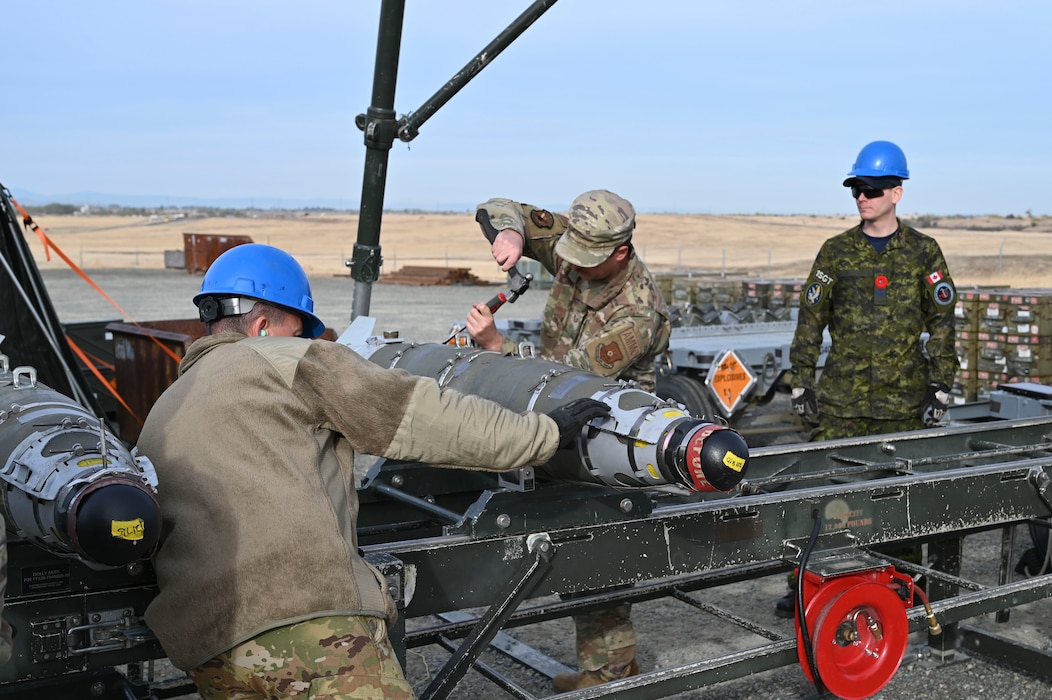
(572, 417)
(934, 406)
(805, 403)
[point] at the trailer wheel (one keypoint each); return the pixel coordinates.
(689, 392)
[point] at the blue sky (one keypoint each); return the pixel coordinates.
(679, 105)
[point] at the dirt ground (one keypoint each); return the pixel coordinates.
(980, 251)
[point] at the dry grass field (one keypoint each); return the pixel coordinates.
(980, 251)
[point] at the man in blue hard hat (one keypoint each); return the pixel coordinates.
(264, 592)
(877, 287)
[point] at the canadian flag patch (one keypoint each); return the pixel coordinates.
(935, 277)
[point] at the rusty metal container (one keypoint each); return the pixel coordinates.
(202, 248)
(142, 368)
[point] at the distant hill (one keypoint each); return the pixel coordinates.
(158, 201)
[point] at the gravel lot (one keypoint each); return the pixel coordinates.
(669, 635)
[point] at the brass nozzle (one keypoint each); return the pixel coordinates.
(934, 628)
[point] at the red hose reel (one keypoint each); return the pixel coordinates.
(858, 629)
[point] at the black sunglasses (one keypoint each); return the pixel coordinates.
(870, 192)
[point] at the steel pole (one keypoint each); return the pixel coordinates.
(380, 127)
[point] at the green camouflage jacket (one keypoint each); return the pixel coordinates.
(876, 306)
(615, 328)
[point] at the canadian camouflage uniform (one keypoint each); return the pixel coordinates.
(876, 306)
(616, 328)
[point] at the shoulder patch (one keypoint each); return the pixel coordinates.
(616, 350)
(542, 218)
(943, 293)
(609, 354)
(814, 294)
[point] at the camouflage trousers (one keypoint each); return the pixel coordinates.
(606, 640)
(326, 658)
(835, 427)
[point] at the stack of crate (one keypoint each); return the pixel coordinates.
(756, 293)
(966, 323)
(772, 294)
(681, 289)
(1007, 338)
(785, 294)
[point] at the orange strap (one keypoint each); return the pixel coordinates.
(49, 244)
(98, 375)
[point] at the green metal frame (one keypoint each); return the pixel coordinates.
(935, 486)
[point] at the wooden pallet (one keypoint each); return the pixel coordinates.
(424, 276)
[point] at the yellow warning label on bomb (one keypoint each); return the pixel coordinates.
(128, 529)
(733, 461)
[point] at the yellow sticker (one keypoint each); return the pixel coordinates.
(641, 443)
(653, 471)
(672, 414)
(91, 462)
(128, 529)
(733, 461)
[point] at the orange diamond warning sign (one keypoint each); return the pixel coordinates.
(730, 381)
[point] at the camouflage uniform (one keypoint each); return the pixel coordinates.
(325, 658)
(876, 305)
(615, 327)
(5, 629)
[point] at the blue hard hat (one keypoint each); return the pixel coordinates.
(880, 159)
(257, 271)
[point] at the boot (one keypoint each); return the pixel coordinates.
(565, 682)
(786, 605)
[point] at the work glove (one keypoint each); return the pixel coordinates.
(572, 417)
(935, 401)
(805, 403)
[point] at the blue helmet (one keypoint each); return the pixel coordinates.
(880, 159)
(257, 271)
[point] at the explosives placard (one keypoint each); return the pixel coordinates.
(730, 381)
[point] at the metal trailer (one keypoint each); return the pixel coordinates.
(485, 551)
(831, 504)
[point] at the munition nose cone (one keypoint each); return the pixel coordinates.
(116, 524)
(723, 457)
(707, 456)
